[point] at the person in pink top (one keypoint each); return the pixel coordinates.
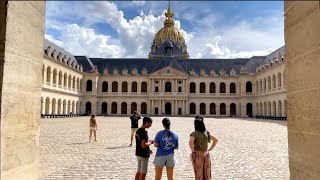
(93, 127)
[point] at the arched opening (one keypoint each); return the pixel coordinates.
(269, 83)
(260, 83)
(212, 108)
(274, 82)
(105, 86)
(168, 108)
(212, 87)
(69, 107)
(233, 110)
(168, 87)
(249, 86)
(261, 110)
(279, 79)
(274, 109)
(104, 108)
(264, 84)
(89, 85)
(64, 107)
(47, 109)
(74, 82)
(269, 108)
(54, 81)
(78, 84)
(144, 87)
(265, 112)
(53, 108)
(114, 108)
(124, 87)
(202, 87)
(280, 108)
(143, 108)
(202, 108)
(257, 107)
(222, 87)
(69, 81)
(223, 109)
(133, 107)
(59, 106)
(65, 80)
(134, 87)
(232, 88)
(192, 87)
(48, 74)
(192, 108)
(114, 86)
(43, 69)
(124, 108)
(249, 109)
(88, 107)
(73, 108)
(60, 78)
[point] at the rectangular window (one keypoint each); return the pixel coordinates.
(179, 89)
(156, 89)
(156, 111)
(179, 111)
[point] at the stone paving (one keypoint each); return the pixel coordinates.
(247, 149)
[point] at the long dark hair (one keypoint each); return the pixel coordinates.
(199, 126)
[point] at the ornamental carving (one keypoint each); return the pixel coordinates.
(232, 72)
(124, 71)
(212, 72)
(134, 71)
(192, 72)
(222, 72)
(144, 72)
(115, 71)
(202, 72)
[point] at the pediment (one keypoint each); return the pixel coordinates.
(169, 72)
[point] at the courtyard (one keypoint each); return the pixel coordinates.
(247, 148)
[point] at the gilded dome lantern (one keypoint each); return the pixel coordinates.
(169, 33)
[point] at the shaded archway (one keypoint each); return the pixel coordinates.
(249, 86)
(212, 108)
(223, 109)
(144, 87)
(202, 108)
(250, 110)
(104, 108)
(233, 110)
(232, 88)
(212, 87)
(89, 85)
(124, 108)
(133, 107)
(114, 108)
(192, 87)
(192, 108)
(124, 86)
(202, 87)
(105, 86)
(168, 108)
(222, 87)
(114, 86)
(168, 87)
(88, 107)
(143, 108)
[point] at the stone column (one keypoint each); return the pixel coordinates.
(302, 60)
(20, 130)
(43, 109)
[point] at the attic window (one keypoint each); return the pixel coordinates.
(157, 82)
(180, 82)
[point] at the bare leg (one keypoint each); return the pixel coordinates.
(170, 173)
(131, 138)
(95, 135)
(90, 135)
(142, 176)
(158, 172)
(137, 176)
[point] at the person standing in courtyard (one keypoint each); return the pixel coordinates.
(166, 142)
(93, 127)
(142, 149)
(134, 124)
(200, 155)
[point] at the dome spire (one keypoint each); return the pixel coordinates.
(169, 14)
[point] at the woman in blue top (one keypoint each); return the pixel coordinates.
(166, 142)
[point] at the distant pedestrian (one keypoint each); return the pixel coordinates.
(93, 127)
(134, 124)
(142, 149)
(166, 142)
(200, 156)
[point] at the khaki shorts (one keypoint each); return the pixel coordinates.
(142, 164)
(92, 128)
(133, 130)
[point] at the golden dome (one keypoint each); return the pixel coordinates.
(169, 32)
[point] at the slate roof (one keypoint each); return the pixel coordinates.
(153, 65)
(58, 49)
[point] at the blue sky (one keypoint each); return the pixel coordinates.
(212, 29)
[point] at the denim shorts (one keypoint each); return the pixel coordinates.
(166, 160)
(142, 164)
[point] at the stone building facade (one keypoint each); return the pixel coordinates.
(167, 82)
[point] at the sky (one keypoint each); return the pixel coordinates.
(125, 29)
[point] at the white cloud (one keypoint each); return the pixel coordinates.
(214, 50)
(139, 3)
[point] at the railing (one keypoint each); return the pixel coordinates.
(213, 94)
(144, 93)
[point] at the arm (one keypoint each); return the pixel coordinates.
(215, 141)
(145, 144)
(191, 143)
